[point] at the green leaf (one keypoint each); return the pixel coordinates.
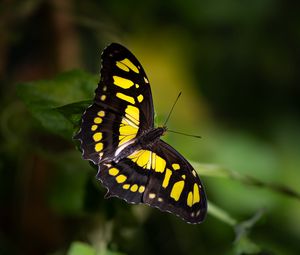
(79, 248)
(51, 101)
(244, 227)
(221, 214)
(243, 244)
(246, 246)
(67, 192)
(73, 112)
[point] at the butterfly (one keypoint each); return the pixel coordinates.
(117, 133)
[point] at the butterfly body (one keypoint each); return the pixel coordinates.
(146, 140)
(118, 134)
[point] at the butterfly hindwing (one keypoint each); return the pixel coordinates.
(159, 177)
(97, 131)
(124, 180)
(177, 188)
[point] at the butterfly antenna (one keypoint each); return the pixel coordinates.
(176, 132)
(172, 109)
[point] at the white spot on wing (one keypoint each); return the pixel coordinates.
(123, 146)
(152, 195)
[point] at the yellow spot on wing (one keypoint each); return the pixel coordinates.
(128, 63)
(103, 97)
(123, 139)
(122, 82)
(196, 194)
(134, 187)
(152, 195)
(94, 127)
(143, 159)
(175, 166)
(121, 178)
(160, 164)
(97, 136)
(113, 171)
(134, 156)
(190, 199)
(133, 114)
(167, 178)
(98, 147)
(140, 98)
(141, 189)
(149, 162)
(101, 113)
(97, 120)
(153, 160)
(127, 130)
(128, 99)
(177, 189)
(126, 121)
(122, 66)
(145, 79)
(126, 186)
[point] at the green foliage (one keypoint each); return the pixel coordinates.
(79, 248)
(55, 112)
(47, 100)
(237, 66)
(61, 115)
(67, 196)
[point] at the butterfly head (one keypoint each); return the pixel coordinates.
(162, 130)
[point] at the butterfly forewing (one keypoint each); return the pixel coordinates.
(122, 106)
(124, 82)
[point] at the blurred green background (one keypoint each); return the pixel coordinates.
(237, 64)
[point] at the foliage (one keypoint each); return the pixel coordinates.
(49, 101)
(61, 115)
(237, 66)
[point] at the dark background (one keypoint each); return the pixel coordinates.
(237, 65)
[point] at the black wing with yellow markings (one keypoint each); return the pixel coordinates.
(124, 82)
(117, 133)
(176, 189)
(159, 177)
(122, 106)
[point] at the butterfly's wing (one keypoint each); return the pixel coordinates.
(122, 106)
(159, 177)
(178, 189)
